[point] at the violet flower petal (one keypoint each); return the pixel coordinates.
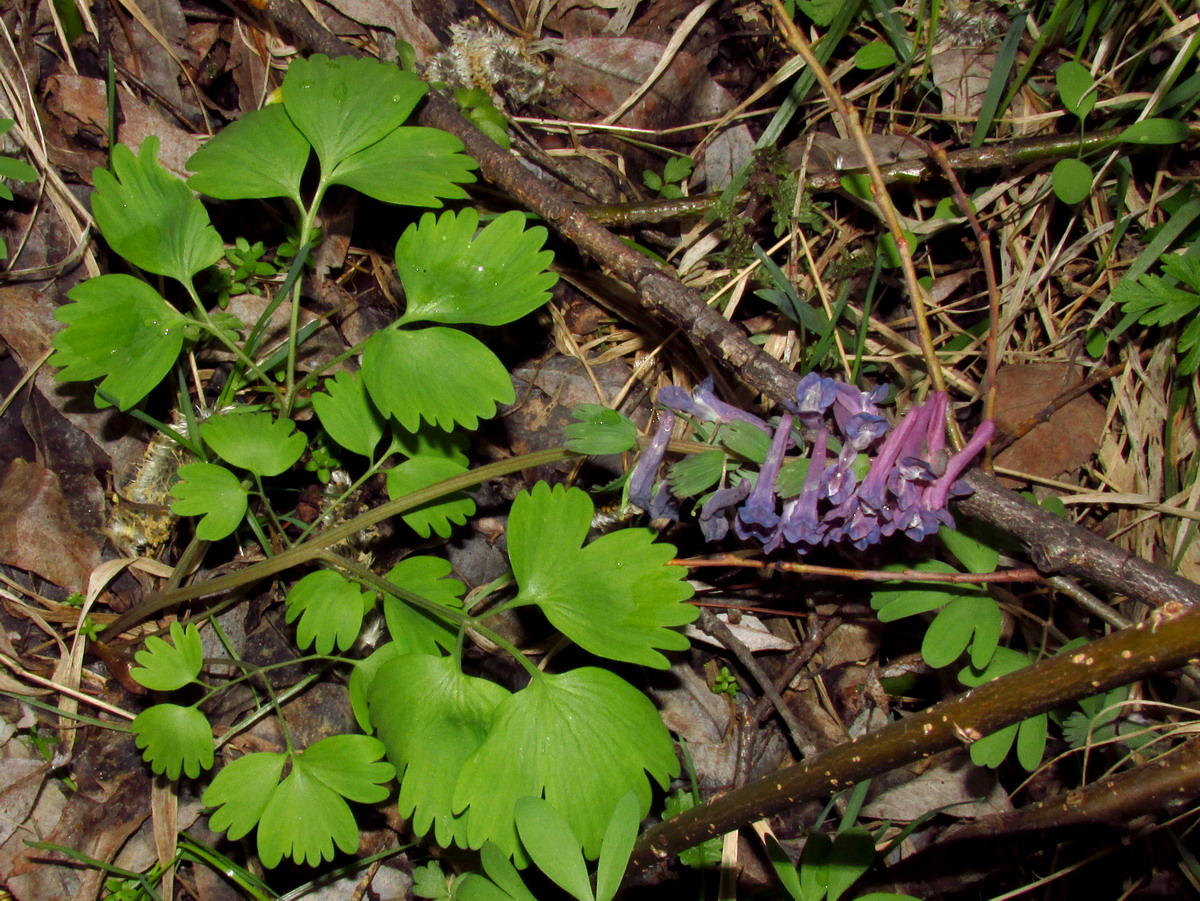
(800, 523)
(940, 490)
(713, 522)
(703, 404)
(757, 516)
(641, 479)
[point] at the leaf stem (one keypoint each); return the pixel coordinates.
(310, 550)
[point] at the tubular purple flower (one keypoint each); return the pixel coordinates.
(641, 480)
(713, 523)
(838, 481)
(857, 416)
(757, 517)
(873, 490)
(703, 404)
(800, 523)
(940, 491)
(814, 395)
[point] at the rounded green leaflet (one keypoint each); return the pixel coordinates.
(1071, 180)
(330, 608)
(254, 441)
(168, 666)
(213, 493)
(875, 55)
(121, 331)
(451, 274)
(241, 790)
(260, 155)
(1076, 88)
(438, 516)
(588, 721)
(431, 718)
(345, 105)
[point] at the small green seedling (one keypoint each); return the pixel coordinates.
(670, 183)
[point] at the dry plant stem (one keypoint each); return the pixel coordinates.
(968, 159)
(797, 660)
(1058, 546)
(1121, 658)
(709, 623)
(1167, 782)
(733, 561)
(312, 549)
(989, 271)
(798, 42)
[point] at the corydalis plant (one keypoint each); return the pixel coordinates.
(878, 482)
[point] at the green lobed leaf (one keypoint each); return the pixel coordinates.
(254, 441)
(407, 375)
(954, 627)
(745, 440)
(431, 718)
(1032, 734)
(410, 166)
(169, 667)
(429, 441)
(972, 553)
(991, 750)
(362, 675)
(120, 330)
(1071, 180)
(438, 516)
(212, 492)
(308, 837)
(241, 791)
(176, 740)
(874, 55)
(852, 855)
(151, 218)
(600, 430)
(330, 608)
(615, 597)
(413, 629)
(707, 854)
(586, 737)
(912, 598)
(262, 154)
(552, 846)
(452, 275)
(348, 415)
(345, 105)
(350, 765)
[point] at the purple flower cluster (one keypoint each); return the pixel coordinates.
(911, 478)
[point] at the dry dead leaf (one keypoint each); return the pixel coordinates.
(602, 72)
(1067, 440)
(37, 531)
